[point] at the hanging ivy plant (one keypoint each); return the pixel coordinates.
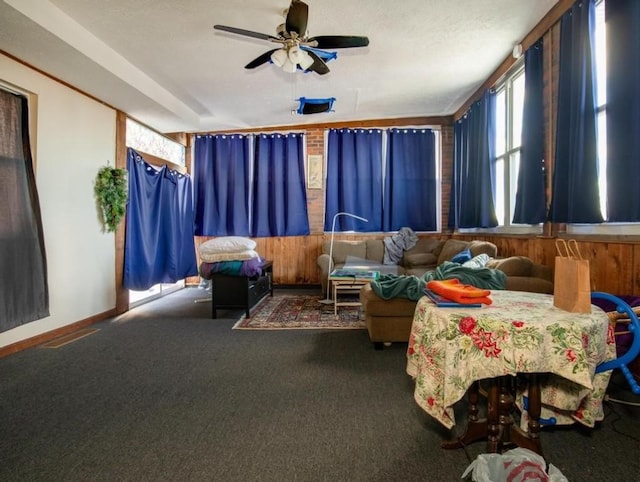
(111, 194)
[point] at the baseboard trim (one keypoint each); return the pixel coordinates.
(50, 335)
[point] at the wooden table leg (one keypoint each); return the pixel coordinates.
(498, 427)
(531, 439)
(494, 426)
(476, 428)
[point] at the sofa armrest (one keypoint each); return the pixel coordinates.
(529, 284)
(323, 263)
(542, 271)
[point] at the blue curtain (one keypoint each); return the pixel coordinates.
(221, 180)
(410, 181)
(530, 207)
(354, 179)
(575, 194)
(623, 110)
(460, 154)
(473, 195)
(159, 245)
(279, 191)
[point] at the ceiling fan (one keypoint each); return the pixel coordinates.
(297, 49)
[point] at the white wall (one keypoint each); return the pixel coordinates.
(75, 137)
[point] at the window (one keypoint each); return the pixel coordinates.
(389, 177)
(600, 57)
(250, 185)
(601, 100)
(509, 107)
(142, 138)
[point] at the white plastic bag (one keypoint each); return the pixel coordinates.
(514, 465)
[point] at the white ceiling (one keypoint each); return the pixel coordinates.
(161, 62)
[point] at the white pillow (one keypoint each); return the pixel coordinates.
(479, 261)
(217, 257)
(227, 244)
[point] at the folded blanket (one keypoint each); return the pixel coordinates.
(249, 268)
(410, 287)
(453, 290)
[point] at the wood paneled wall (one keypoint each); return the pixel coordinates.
(615, 265)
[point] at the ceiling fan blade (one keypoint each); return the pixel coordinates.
(340, 41)
(258, 61)
(318, 66)
(297, 17)
(246, 33)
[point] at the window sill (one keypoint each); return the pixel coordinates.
(530, 230)
(607, 229)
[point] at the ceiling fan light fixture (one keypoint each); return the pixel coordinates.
(279, 57)
(289, 67)
(298, 50)
(306, 62)
(296, 54)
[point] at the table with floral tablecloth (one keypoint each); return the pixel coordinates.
(450, 348)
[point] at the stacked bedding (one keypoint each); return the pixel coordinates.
(230, 255)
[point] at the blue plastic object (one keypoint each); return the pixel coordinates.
(315, 106)
(633, 351)
(543, 421)
(323, 54)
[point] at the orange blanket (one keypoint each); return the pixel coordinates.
(453, 290)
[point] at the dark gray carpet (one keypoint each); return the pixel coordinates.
(165, 393)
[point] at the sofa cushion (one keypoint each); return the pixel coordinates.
(419, 259)
(512, 266)
(450, 249)
(426, 245)
(454, 246)
(342, 249)
(375, 250)
(478, 247)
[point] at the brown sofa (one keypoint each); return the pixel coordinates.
(426, 255)
(390, 320)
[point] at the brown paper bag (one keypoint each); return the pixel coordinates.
(571, 284)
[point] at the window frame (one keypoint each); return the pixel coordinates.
(606, 228)
(437, 131)
(509, 179)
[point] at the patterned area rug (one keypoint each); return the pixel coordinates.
(298, 313)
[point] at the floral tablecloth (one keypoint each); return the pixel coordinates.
(450, 348)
